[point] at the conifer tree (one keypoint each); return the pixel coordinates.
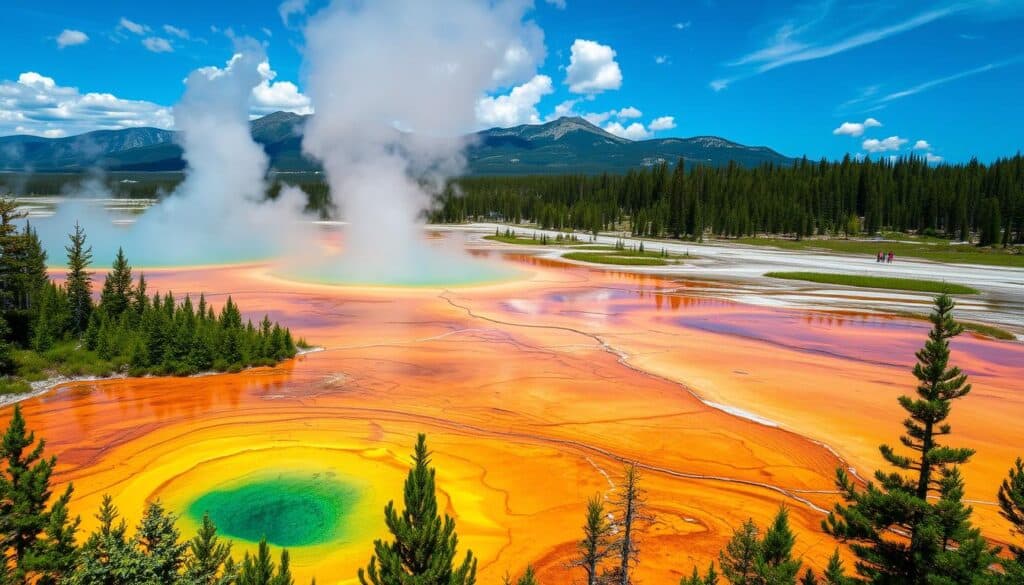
(527, 578)
(117, 288)
(257, 569)
(10, 251)
(424, 547)
(630, 502)
(1011, 507)
(28, 526)
(32, 270)
(162, 554)
(208, 561)
(709, 578)
(596, 546)
(835, 574)
(739, 558)
(808, 578)
(775, 564)
(79, 281)
(105, 554)
(7, 365)
(935, 540)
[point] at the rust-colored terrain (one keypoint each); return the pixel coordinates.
(533, 394)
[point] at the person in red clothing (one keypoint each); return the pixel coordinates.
(891, 255)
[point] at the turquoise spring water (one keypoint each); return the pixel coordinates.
(289, 510)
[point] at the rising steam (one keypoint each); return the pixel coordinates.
(217, 213)
(394, 84)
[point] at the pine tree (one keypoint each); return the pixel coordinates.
(10, 252)
(257, 569)
(775, 564)
(117, 288)
(709, 578)
(1011, 504)
(26, 524)
(208, 558)
(7, 365)
(32, 275)
(424, 546)
(630, 502)
(596, 546)
(284, 571)
(808, 578)
(1011, 507)
(157, 539)
(739, 558)
(937, 541)
(105, 553)
(79, 281)
(527, 578)
(835, 574)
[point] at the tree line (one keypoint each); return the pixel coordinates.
(909, 526)
(128, 330)
(968, 202)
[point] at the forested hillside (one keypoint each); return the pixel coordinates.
(805, 199)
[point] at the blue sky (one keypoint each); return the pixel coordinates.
(943, 79)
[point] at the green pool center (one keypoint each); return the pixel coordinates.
(290, 510)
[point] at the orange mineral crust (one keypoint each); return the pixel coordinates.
(533, 393)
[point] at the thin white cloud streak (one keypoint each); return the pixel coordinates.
(788, 48)
(949, 78)
(865, 38)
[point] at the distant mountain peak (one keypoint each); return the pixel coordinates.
(555, 130)
(566, 145)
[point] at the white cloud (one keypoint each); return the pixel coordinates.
(157, 44)
(70, 38)
(566, 108)
(36, 104)
(932, 158)
(175, 31)
(519, 106)
(592, 68)
(290, 7)
(856, 128)
(559, 4)
(597, 118)
(629, 112)
(922, 145)
(662, 59)
(682, 25)
(891, 143)
(720, 84)
(662, 123)
(520, 59)
(275, 96)
(634, 131)
(132, 27)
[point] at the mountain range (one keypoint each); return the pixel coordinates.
(566, 145)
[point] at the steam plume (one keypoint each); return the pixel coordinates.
(394, 84)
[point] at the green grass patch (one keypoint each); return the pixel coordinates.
(926, 248)
(617, 258)
(66, 358)
(10, 385)
(989, 330)
(531, 241)
(884, 282)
